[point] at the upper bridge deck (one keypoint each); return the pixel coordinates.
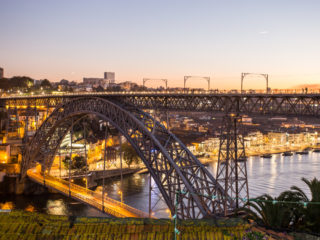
(297, 104)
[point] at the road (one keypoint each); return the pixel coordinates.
(94, 199)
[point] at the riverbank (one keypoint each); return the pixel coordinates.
(206, 160)
(27, 225)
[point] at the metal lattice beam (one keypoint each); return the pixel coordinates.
(171, 164)
(232, 169)
(259, 104)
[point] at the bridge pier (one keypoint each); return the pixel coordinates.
(232, 168)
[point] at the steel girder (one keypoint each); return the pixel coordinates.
(232, 168)
(171, 164)
(266, 104)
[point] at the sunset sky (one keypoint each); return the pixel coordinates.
(72, 39)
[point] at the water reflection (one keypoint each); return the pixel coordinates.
(279, 173)
(270, 176)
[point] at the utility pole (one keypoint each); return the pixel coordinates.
(121, 174)
(85, 154)
(265, 76)
(70, 160)
(104, 167)
(186, 78)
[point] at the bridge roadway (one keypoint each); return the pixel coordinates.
(296, 104)
(94, 199)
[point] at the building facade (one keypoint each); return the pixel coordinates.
(109, 78)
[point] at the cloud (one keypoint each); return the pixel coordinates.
(264, 32)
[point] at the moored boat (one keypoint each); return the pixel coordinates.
(287, 153)
(266, 155)
(304, 152)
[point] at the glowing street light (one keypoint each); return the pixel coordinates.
(169, 212)
(86, 181)
(121, 195)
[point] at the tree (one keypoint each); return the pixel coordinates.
(66, 162)
(129, 154)
(21, 82)
(78, 163)
(99, 89)
(297, 214)
(4, 84)
(45, 84)
(266, 211)
(310, 214)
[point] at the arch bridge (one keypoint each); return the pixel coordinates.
(170, 163)
(172, 166)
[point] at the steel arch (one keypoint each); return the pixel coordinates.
(171, 164)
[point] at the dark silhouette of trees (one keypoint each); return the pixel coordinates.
(16, 83)
(99, 89)
(45, 84)
(77, 163)
(129, 154)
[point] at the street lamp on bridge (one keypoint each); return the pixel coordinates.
(186, 78)
(266, 76)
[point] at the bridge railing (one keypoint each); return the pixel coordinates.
(49, 180)
(186, 91)
(62, 188)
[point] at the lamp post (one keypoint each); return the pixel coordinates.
(44, 177)
(121, 175)
(104, 167)
(86, 157)
(86, 181)
(168, 211)
(121, 196)
(71, 133)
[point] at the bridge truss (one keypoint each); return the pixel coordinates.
(262, 104)
(170, 163)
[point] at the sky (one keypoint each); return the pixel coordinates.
(167, 39)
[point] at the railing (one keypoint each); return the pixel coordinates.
(187, 91)
(79, 192)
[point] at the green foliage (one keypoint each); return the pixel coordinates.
(45, 84)
(99, 89)
(129, 154)
(25, 225)
(268, 212)
(16, 82)
(310, 215)
(78, 163)
(293, 215)
(114, 89)
(253, 235)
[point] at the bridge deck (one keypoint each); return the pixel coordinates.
(94, 199)
(289, 104)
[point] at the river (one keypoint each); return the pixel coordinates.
(271, 176)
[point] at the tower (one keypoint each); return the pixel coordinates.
(110, 76)
(232, 168)
(1, 73)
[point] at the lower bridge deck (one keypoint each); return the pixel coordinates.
(94, 199)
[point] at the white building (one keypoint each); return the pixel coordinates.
(109, 78)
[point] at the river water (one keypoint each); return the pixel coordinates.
(271, 176)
